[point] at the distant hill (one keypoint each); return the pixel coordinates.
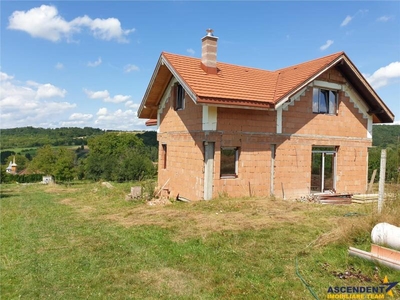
(24, 137)
(385, 135)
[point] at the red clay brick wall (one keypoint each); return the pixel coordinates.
(184, 158)
(303, 128)
(187, 119)
(254, 131)
(299, 119)
(293, 165)
(184, 168)
(247, 120)
(253, 168)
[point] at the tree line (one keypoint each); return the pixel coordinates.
(123, 156)
(113, 156)
(24, 137)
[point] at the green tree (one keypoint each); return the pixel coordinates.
(64, 168)
(44, 161)
(117, 156)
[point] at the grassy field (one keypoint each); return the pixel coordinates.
(85, 241)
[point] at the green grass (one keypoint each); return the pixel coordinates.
(86, 242)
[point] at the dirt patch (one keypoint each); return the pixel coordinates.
(168, 280)
(84, 210)
(189, 221)
(66, 201)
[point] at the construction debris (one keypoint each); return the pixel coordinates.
(107, 184)
(327, 198)
(364, 198)
(159, 201)
(351, 273)
(183, 199)
(136, 193)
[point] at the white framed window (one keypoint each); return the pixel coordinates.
(325, 101)
(229, 162)
(179, 97)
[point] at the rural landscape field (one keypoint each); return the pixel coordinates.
(85, 241)
(82, 239)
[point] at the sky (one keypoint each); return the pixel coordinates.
(88, 63)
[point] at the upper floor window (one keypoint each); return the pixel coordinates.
(325, 101)
(179, 97)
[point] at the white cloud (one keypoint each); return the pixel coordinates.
(349, 18)
(80, 117)
(119, 119)
(25, 104)
(95, 63)
(97, 95)
(105, 95)
(45, 22)
(346, 21)
(190, 51)
(5, 77)
(130, 104)
(129, 68)
(384, 18)
(102, 111)
(326, 45)
(59, 66)
(117, 99)
(49, 91)
(385, 75)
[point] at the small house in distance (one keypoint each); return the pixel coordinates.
(240, 131)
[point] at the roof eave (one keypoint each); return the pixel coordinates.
(150, 85)
(293, 91)
(386, 116)
(383, 113)
(162, 61)
(235, 103)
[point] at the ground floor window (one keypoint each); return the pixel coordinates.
(164, 156)
(323, 169)
(229, 162)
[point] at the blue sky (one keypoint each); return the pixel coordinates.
(69, 63)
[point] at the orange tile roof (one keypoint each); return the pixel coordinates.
(234, 84)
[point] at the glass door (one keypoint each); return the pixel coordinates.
(323, 169)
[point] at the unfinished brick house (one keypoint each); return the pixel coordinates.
(239, 131)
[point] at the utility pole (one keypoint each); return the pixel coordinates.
(382, 181)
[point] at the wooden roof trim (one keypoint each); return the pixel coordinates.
(179, 78)
(150, 85)
(368, 86)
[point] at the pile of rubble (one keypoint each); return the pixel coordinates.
(327, 198)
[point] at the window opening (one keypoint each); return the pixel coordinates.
(164, 153)
(180, 97)
(324, 101)
(229, 162)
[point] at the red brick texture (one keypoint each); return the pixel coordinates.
(253, 131)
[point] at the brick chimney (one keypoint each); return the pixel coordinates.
(209, 52)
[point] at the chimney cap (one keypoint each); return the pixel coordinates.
(210, 32)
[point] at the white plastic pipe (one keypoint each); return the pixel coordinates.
(374, 258)
(386, 234)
